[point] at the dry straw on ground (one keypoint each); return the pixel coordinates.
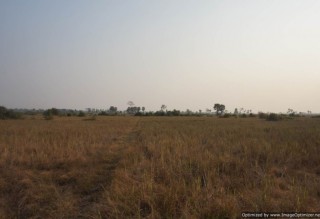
(182, 167)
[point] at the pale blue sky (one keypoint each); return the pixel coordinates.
(259, 55)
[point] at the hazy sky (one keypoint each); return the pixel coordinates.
(256, 54)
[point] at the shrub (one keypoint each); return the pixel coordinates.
(48, 115)
(138, 114)
(226, 115)
(55, 111)
(262, 115)
(293, 114)
(103, 113)
(173, 113)
(160, 113)
(243, 115)
(81, 114)
(8, 114)
(273, 117)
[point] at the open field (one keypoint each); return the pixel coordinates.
(157, 167)
(57, 168)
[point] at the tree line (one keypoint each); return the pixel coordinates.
(133, 110)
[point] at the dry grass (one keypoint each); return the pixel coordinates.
(124, 167)
(217, 168)
(58, 168)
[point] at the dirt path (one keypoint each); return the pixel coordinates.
(108, 160)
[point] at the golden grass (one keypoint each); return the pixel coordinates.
(182, 167)
(217, 168)
(58, 168)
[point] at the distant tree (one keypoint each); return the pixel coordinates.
(81, 114)
(55, 111)
(8, 113)
(143, 109)
(48, 114)
(189, 112)
(226, 115)
(173, 113)
(133, 110)
(243, 115)
(291, 112)
(262, 115)
(236, 112)
(3, 111)
(219, 108)
(176, 112)
(160, 113)
(163, 107)
(273, 117)
(222, 108)
(130, 103)
(113, 110)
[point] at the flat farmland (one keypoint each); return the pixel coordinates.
(58, 168)
(157, 167)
